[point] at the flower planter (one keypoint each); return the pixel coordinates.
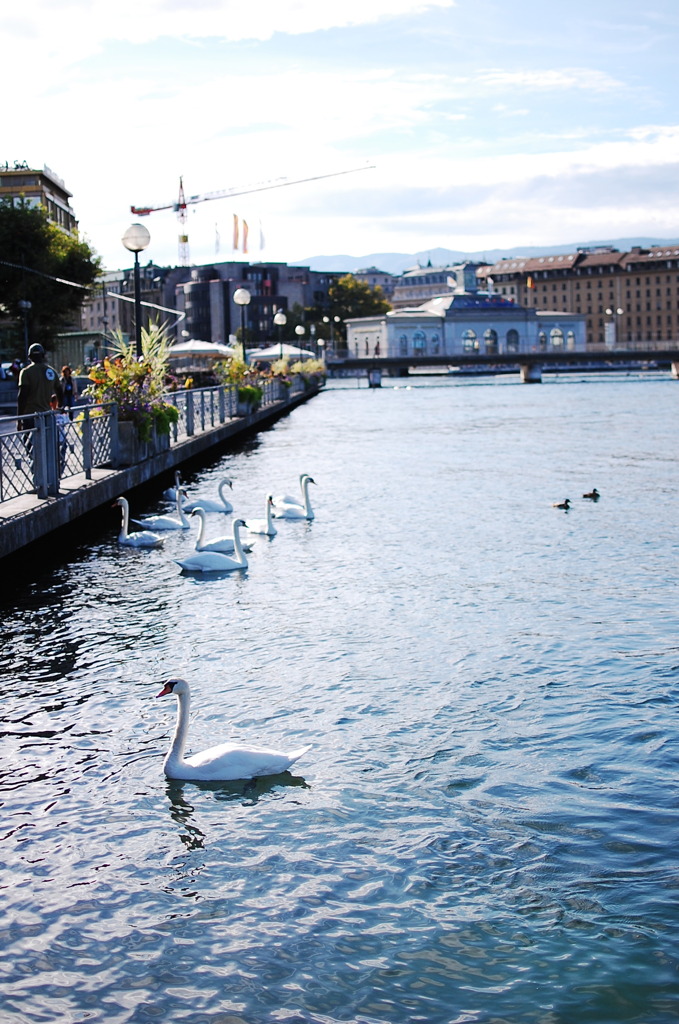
(130, 448)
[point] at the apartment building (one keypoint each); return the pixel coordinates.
(39, 188)
(629, 299)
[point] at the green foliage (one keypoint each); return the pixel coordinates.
(30, 241)
(250, 393)
(350, 297)
(136, 385)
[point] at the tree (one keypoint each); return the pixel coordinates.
(36, 259)
(350, 297)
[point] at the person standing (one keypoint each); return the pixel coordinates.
(69, 388)
(37, 383)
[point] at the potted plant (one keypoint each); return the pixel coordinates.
(137, 386)
(249, 398)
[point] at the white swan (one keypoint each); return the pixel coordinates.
(208, 504)
(289, 499)
(295, 510)
(171, 492)
(215, 561)
(167, 522)
(225, 762)
(143, 539)
(224, 544)
(265, 526)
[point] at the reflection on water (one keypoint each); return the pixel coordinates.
(486, 825)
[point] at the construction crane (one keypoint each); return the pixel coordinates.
(183, 201)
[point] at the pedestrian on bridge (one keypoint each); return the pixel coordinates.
(37, 383)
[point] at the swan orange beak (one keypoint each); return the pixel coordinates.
(165, 690)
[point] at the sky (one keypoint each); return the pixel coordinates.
(466, 124)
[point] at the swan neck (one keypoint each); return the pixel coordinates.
(126, 519)
(201, 531)
(176, 751)
(238, 547)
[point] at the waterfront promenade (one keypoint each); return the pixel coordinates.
(94, 473)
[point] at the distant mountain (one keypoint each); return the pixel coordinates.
(398, 262)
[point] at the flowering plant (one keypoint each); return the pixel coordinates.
(136, 385)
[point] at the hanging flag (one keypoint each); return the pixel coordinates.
(235, 232)
(261, 237)
(245, 236)
(529, 282)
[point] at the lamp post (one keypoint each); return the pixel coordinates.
(136, 238)
(299, 331)
(25, 307)
(242, 297)
(312, 332)
(321, 344)
(280, 320)
(611, 328)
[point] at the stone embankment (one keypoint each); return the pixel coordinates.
(28, 518)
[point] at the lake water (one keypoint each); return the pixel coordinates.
(486, 828)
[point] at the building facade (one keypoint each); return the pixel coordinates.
(465, 324)
(629, 299)
(212, 315)
(419, 284)
(375, 278)
(39, 188)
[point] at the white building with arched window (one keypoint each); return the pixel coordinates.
(465, 324)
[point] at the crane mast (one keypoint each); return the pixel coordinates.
(180, 206)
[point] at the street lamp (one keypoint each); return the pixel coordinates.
(280, 321)
(321, 343)
(299, 331)
(242, 297)
(136, 238)
(611, 328)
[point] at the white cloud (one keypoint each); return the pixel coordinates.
(550, 79)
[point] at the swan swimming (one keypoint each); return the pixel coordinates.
(223, 763)
(224, 544)
(209, 504)
(289, 499)
(143, 539)
(167, 522)
(215, 561)
(294, 510)
(171, 492)
(265, 526)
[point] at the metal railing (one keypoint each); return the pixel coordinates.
(39, 450)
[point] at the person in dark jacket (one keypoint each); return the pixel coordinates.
(37, 383)
(69, 388)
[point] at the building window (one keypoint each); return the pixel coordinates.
(435, 344)
(490, 339)
(419, 343)
(556, 337)
(512, 340)
(542, 341)
(403, 344)
(470, 343)
(570, 341)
